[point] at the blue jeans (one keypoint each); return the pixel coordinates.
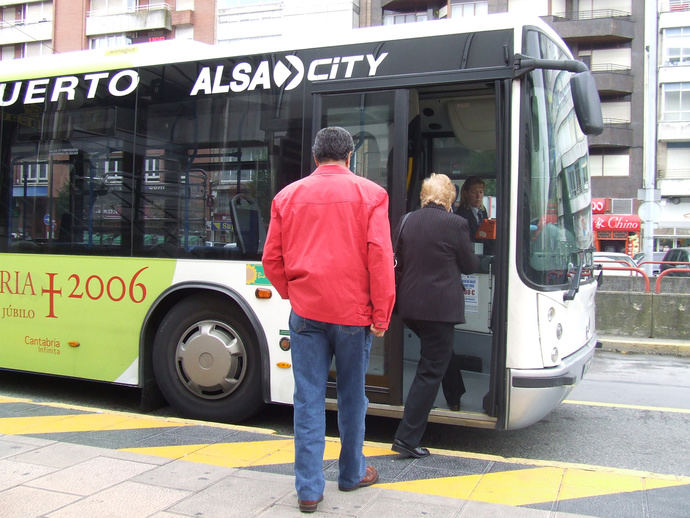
(313, 346)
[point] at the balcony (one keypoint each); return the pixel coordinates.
(144, 18)
(612, 79)
(673, 6)
(603, 26)
(411, 5)
(615, 134)
(678, 131)
(673, 187)
(23, 31)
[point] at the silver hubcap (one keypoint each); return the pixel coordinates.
(211, 359)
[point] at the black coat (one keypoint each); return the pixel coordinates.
(466, 212)
(433, 249)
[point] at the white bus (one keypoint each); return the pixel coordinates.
(135, 195)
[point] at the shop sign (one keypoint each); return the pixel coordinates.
(621, 222)
(601, 205)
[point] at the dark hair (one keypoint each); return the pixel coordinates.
(333, 143)
(465, 190)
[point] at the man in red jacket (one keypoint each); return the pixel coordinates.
(328, 250)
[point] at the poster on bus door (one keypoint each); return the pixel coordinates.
(470, 282)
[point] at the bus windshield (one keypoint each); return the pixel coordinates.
(554, 179)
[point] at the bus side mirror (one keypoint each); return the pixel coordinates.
(587, 103)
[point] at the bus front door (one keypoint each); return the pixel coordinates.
(378, 124)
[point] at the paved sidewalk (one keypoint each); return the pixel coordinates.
(663, 346)
(42, 478)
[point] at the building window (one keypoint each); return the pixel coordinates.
(466, 9)
(394, 18)
(13, 15)
(152, 170)
(35, 173)
(678, 5)
(113, 6)
(675, 102)
(611, 164)
(110, 41)
(9, 52)
(615, 112)
(37, 48)
(39, 12)
(229, 4)
(676, 46)
(609, 60)
(677, 160)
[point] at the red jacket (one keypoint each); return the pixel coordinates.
(329, 251)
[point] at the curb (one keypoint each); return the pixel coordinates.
(659, 346)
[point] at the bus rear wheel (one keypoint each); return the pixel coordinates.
(206, 363)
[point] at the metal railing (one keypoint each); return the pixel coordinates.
(7, 24)
(673, 6)
(592, 15)
(673, 174)
(600, 265)
(678, 267)
(610, 67)
(129, 10)
(612, 121)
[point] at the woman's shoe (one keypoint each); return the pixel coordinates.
(406, 450)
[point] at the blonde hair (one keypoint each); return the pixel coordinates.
(437, 189)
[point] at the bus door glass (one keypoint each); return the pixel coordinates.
(379, 130)
(453, 130)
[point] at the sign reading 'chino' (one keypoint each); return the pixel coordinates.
(630, 222)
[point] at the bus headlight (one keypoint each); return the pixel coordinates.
(554, 355)
(559, 331)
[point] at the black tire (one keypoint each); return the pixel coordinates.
(206, 362)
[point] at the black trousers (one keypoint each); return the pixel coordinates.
(436, 351)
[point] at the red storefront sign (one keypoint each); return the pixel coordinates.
(601, 205)
(621, 222)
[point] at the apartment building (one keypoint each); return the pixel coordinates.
(38, 27)
(253, 20)
(673, 127)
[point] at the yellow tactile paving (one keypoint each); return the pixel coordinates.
(629, 407)
(538, 481)
(6, 399)
(246, 454)
(534, 486)
(78, 423)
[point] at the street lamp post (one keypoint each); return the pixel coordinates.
(649, 210)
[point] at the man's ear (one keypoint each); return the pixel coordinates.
(347, 160)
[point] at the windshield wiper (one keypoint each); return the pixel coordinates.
(574, 282)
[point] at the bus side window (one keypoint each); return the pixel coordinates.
(250, 230)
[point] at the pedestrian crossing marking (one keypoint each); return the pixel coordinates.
(533, 486)
(78, 423)
(246, 454)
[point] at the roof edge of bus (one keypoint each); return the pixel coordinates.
(176, 50)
